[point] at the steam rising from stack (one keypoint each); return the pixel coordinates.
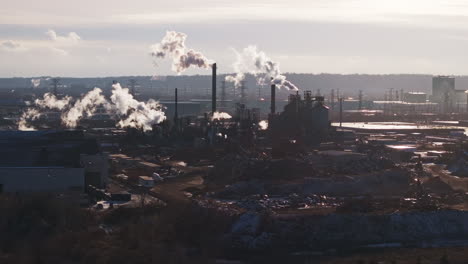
(30, 115)
(85, 106)
(35, 82)
(50, 101)
(263, 125)
(173, 45)
(220, 116)
(122, 105)
(256, 62)
(133, 113)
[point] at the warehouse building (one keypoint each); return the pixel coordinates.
(445, 94)
(41, 179)
(56, 161)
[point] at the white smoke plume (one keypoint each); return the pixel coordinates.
(36, 82)
(256, 62)
(122, 105)
(28, 116)
(52, 102)
(85, 106)
(49, 101)
(71, 37)
(236, 79)
(158, 78)
(220, 115)
(263, 124)
(133, 113)
(10, 45)
(173, 45)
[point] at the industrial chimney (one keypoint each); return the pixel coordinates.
(466, 92)
(273, 98)
(213, 92)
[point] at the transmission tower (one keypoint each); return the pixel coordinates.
(243, 95)
(360, 100)
(133, 84)
(332, 99)
(223, 93)
(259, 95)
(55, 84)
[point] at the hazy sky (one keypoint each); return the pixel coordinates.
(108, 38)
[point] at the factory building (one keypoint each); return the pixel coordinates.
(442, 85)
(96, 168)
(41, 179)
(183, 108)
(395, 107)
(415, 97)
(445, 94)
(302, 121)
(9, 107)
(55, 161)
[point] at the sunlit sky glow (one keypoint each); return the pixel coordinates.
(108, 38)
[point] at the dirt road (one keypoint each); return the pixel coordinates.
(172, 191)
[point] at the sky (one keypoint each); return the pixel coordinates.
(91, 38)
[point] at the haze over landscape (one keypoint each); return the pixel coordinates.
(249, 131)
(112, 38)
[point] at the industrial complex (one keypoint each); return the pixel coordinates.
(290, 172)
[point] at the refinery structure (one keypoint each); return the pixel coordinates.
(281, 167)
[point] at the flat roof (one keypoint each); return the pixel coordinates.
(208, 100)
(38, 168)
(401, 147)
(337, 153)
(417, 93)
(382, 126)
(179, 102)
(403, 103)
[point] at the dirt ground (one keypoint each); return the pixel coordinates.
(457, 183)
(172, 190)
(458, 255)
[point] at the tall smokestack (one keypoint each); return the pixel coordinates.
(273, 98)
(213, 92)
(466, 92)
(55, 84)
(341, 112)
(360, 100)
(132, 86)
(332, 99)
(243, 95)
(223, 94)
